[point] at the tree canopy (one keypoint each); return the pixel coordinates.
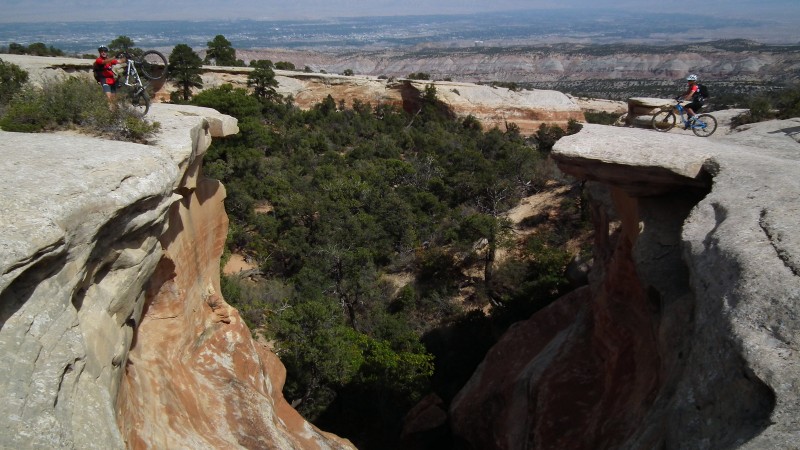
(35, 49)
(184, 69)
(356, 196)
(12, 78)
(123, 44)
(221, 52)
(262, 80)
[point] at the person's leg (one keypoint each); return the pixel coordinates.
(111, 93)
(693, 108)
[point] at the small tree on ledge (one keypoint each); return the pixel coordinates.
(184, 69)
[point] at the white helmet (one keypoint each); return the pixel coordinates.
(691, 77)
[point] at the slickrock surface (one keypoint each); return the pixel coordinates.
(111, 322)
(689, 334)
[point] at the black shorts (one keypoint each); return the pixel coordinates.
(696, 106)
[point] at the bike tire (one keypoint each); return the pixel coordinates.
(153, 65)
(663, 121)
(704, 125)
(140, 102)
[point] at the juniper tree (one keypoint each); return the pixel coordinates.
(184, 69)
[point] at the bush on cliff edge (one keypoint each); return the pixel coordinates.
(70, 103)
(12, 78)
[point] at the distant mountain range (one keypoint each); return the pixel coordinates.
(602, 54)
(610, 71)
(373, 33)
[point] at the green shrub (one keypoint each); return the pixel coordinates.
(759, 110)
(601, 117)
(12, 78)
(284, 65)
(74, 103)
(229, 100)
(789, 103)
(25, 113)
(511, 86)
(419, 76)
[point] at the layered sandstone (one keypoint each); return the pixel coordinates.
(688, 336)
(113, 325)
(721, 60)
(492, 106)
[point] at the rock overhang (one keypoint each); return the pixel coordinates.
(641, 162)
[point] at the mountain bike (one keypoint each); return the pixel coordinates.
(152, 65)
(703, 125)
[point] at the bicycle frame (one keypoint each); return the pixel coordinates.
(701, 124)
(681, 110)
(140, 68)
(131, 74)
(137, 94)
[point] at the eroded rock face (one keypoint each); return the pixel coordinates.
(194, 375)
(491, 106)
(689, 335)
(112, 325)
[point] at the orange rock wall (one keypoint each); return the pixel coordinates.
(580, 374)
(195, 378)
(492, 106)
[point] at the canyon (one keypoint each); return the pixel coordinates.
(687, 335)
(733, 60)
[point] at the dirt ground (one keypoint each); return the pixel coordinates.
(237, 263)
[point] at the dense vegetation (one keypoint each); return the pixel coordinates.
(784, 104)
(335, 203)
(35, 49)
(72, 102)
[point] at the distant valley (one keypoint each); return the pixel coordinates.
(594, 53)
(613, 71)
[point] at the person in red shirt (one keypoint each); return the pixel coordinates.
(104, 73)
(692, 93)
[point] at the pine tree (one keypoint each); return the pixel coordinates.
(262, 80)
(184, 69)
(221, 52)
(123, 43)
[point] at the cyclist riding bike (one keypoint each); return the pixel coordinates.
(692, 93)
(104, 73)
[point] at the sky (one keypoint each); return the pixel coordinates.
(17, 11)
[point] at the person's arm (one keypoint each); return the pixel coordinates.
(113, 61)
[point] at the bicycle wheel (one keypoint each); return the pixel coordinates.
(704, 125)
(153, 65)
(663, 120)
(140, 102)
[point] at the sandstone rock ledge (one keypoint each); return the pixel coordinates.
(688, 336)
(112, 324)
(492, 106)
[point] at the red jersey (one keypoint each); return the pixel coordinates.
(104, 70)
